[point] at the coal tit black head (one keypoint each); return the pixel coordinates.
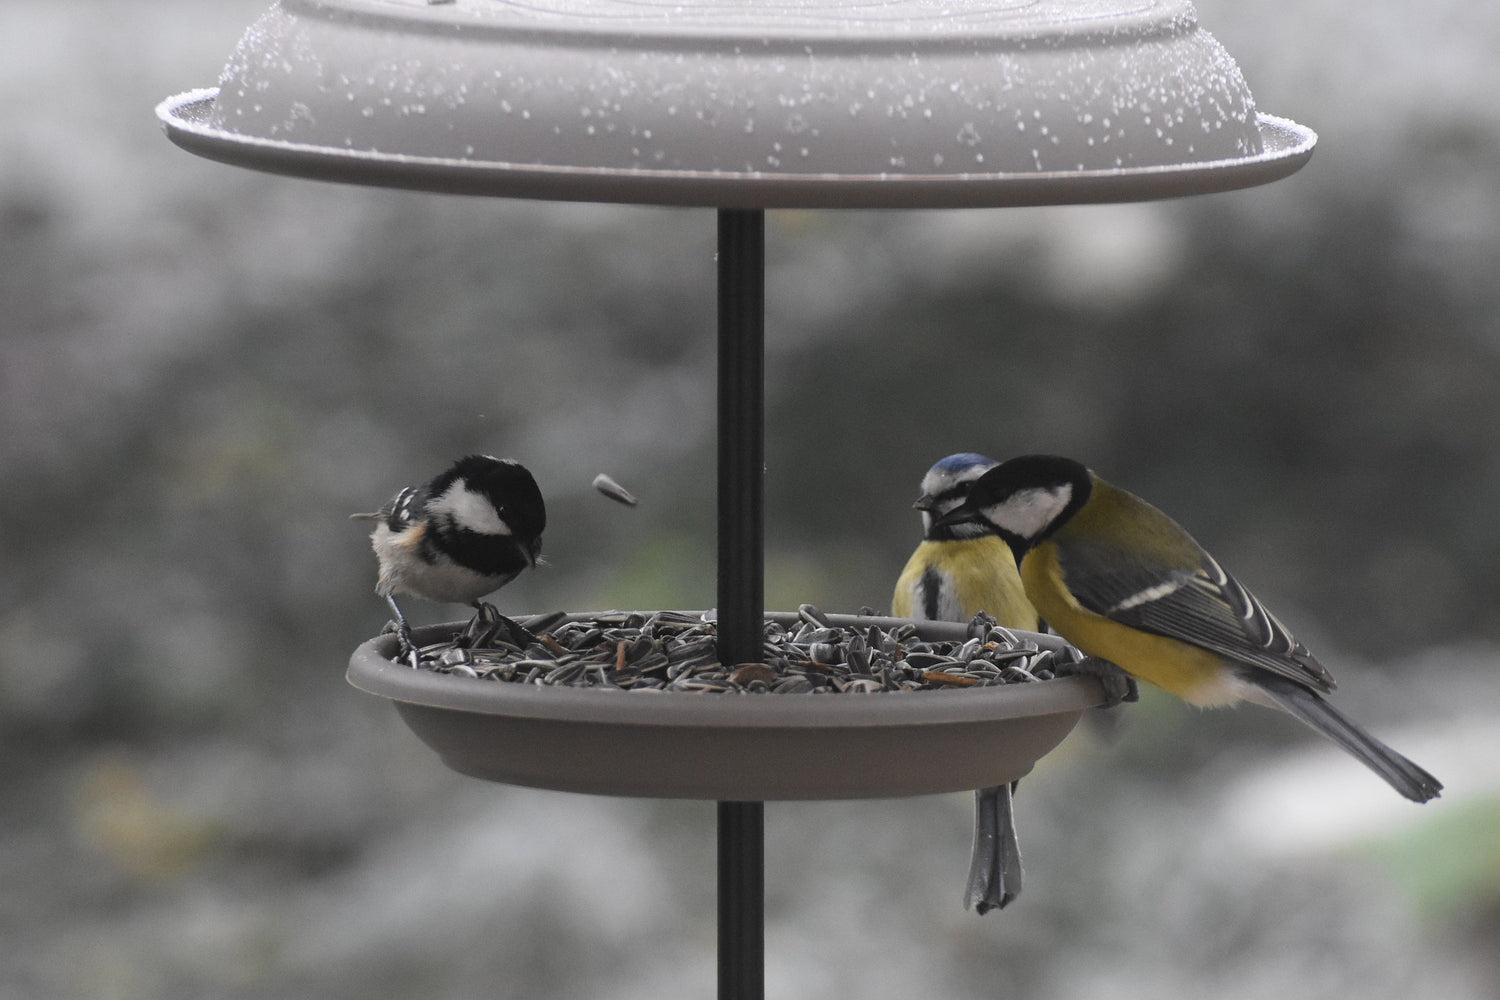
(489, 512)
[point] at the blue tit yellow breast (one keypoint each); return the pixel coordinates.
(1195, 675)
(955, 580)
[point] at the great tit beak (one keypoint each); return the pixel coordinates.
(925, 502)
(962, 514)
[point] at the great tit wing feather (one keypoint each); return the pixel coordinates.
(1262, 629)
(1202, 605)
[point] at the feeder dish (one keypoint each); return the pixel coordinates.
(730, 747)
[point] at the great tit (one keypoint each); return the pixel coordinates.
(956, 572)
(464, 534)
(1123, 582)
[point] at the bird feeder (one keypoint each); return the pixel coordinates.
(741, 106)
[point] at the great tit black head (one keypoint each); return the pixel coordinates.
(1024, 499)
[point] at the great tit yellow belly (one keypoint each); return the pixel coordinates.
(956, 572)
(1123, 582)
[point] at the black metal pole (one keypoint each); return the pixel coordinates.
(741, 434)
(742, 911)
(741, 596)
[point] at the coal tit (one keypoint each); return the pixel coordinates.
(464, 534)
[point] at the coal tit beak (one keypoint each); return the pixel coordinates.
(533, 551)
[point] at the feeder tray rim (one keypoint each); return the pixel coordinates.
(1286, 147)
(372, 670)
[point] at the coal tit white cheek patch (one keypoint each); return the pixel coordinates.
(469, 510)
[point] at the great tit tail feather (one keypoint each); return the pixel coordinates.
(1400, 773)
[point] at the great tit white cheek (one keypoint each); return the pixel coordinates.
(1028, 512)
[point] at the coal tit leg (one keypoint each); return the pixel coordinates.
(408, 649)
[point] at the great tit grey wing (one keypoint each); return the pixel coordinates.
(1201, 605)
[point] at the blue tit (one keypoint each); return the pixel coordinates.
(956, 572)
(1123, 582)
(963, 568)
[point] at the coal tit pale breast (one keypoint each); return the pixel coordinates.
(466, 533)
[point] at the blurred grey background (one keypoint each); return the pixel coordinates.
(206, 369)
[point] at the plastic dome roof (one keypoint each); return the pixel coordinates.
(744, 104)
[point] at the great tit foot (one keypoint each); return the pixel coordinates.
(1118, 685)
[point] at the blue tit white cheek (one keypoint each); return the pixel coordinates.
(469, 510)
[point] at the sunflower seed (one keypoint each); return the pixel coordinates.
(544, 623)
(679, 651)
(604, 484)
(751, 673)
(810, 613)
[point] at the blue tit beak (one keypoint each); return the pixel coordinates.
(926, 502)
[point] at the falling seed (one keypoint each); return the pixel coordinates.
(613, 490)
